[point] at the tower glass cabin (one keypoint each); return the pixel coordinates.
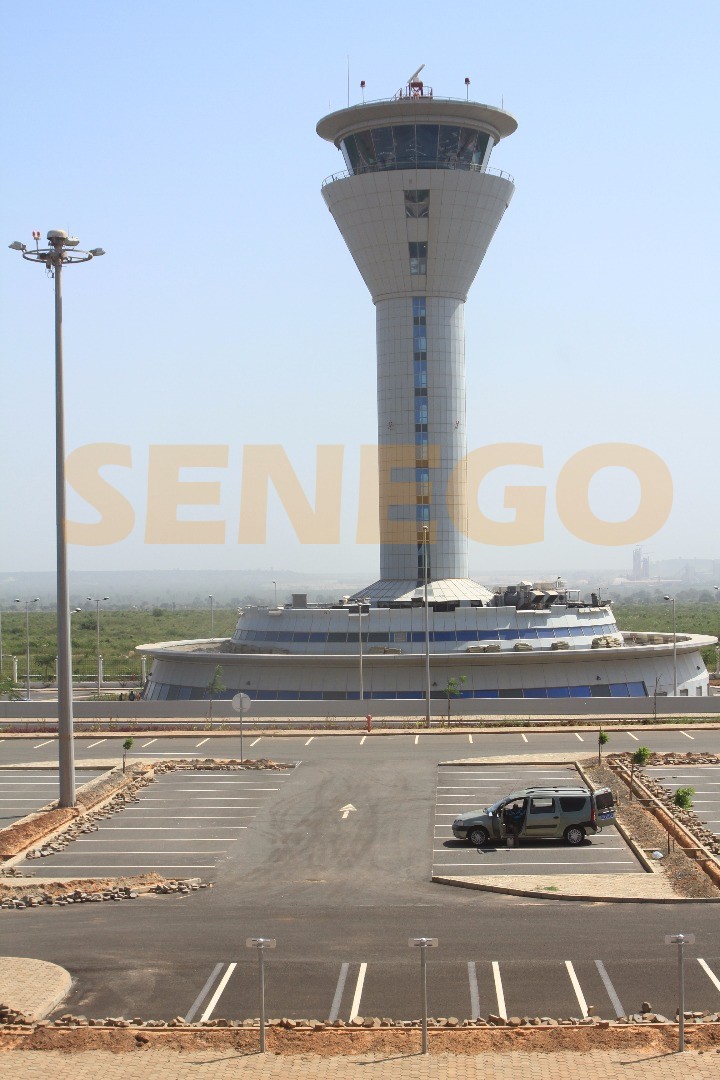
(418, 207)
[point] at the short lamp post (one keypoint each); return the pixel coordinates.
(423, 943)
(671, 599)
(61, 250)
(261, 944)
(97, 601)
(211, 598)
(27, 604)
(681, 940)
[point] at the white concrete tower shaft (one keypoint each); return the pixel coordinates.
(418, 208)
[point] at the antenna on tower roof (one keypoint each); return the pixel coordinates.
(415, 74)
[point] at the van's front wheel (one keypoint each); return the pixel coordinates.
(477, 836)
(574, 835)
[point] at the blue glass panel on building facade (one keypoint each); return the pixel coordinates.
(580, 691)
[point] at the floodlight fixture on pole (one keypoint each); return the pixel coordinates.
(261, 944)
(97, 601)
(675, 679)
(61, 250)
(27, 604)
(423, 943)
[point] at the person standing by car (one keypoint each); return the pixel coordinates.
(514, 818)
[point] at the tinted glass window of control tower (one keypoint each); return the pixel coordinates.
(416, 146)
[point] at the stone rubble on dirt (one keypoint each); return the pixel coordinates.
(10, 1018)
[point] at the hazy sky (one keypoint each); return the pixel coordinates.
(228, 311)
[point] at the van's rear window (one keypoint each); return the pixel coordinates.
(572, 804)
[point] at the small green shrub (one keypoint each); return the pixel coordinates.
(683, 798)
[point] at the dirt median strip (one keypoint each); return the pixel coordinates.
(330, 1042)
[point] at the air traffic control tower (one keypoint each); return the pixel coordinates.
(418, 207)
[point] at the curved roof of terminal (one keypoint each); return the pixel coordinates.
(418, 110)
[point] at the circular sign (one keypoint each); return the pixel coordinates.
(241, 703)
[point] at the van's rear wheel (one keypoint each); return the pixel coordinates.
(477, 836)
(574, 835)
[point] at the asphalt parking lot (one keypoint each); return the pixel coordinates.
(24, 791)
(182, 825)
(706, 781)
(463, 988)
(461, 788)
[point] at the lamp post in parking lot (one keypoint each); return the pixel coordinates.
(675, 684)
(27, 604)
(61, 250)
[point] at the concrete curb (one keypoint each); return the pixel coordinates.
(32, 987)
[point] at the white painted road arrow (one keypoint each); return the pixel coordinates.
(345, 810)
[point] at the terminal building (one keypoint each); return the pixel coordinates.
(418, 204)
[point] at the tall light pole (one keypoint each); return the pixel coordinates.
(62, 250)
(97, 601)
(275, 587)
(360, 613)
(717, 647)
(675, 690)
(212, 614)
(426, 538)
(27, 604)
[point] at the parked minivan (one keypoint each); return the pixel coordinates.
(567, 813)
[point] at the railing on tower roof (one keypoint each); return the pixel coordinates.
(396, 166)
(415, 89)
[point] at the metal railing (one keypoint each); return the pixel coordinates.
(414, 166)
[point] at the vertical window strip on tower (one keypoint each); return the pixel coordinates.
(422, 473)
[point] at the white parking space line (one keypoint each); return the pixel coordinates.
(686, 735)
(165, 828)
(149, 743)
(201, 996)
(216, 996)
(524, 738)
(507, 863)
(310, 740)
(256, 741)
(474, 995)
(632, 736)
(156, 840)
(502, 1011)
(339, 990)
(90, 745)
(417, 739)
(137, 866)
(578, 737)
(202, 742)
(576, 987)
(46, 743)
(470, 738)
(363, 739)
(615, 1000)
(710, 974)
(358, 992)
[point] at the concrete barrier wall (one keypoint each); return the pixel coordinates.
(222, 710)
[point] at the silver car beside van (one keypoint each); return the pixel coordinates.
(567, 813)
